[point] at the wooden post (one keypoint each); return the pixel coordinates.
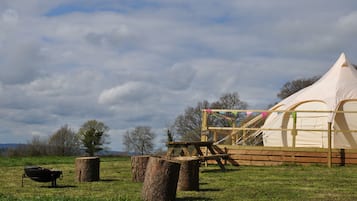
(161, 179)
(237, 137)
(233, 137)
(244, 136)
(204, 129)
(138, 167)
(87, 169)
(215, 139)
(294, 131)
(329, 155)
(189, 174)
(293, 134)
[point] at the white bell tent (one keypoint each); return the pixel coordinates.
(315, 106)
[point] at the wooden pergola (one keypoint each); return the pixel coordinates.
(234, 129)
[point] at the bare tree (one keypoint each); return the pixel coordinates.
(20, 150)
(139, 140)
(64, 142)
(93, 135)
(37, 147)
(229, 101)
(188, 125)
(294, 86)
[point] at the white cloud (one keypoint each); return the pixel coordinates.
(178, 77)
(114, 37)
(75, 83)
(348, 21)
(64, 62)
(128, 93)
(21, 62)
(10, 16)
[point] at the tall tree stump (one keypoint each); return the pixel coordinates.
(189, 174)
(138, 167)
(161, 178)
(87, 169)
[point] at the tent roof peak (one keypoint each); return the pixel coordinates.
(344, 60)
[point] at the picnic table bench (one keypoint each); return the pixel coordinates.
(210, 154)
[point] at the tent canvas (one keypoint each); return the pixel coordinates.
(334, 91)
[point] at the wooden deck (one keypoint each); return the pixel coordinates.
(270, 156)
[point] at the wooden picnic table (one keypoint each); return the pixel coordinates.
(184, 150)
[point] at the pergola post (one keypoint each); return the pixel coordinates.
(294, 134)
(215, 137)
(204, 128)
(294, 131)
(329, 155)
(244, 135)
(233, 137)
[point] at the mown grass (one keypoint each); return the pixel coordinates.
(238, 183)
(115, 181)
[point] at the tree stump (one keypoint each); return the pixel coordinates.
(138, 167)
(87, 169)
(161, 178)
(189, 174)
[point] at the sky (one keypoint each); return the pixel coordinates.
(133, 63)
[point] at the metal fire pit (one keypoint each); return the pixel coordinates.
(40, 174)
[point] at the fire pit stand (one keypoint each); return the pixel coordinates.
(41, 174)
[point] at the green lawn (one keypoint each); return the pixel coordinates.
(238, 183)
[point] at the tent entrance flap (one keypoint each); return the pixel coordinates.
(345, 125)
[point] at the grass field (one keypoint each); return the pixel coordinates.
(238, 183)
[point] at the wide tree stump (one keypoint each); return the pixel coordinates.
(87, 169)
(161, 178)
(189, 174)
(138, 167)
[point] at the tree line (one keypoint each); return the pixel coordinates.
(90, 139)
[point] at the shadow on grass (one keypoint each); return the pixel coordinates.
(192, 199)
(108, 180)
(209, 189)
(59, 186)
(218, 170)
